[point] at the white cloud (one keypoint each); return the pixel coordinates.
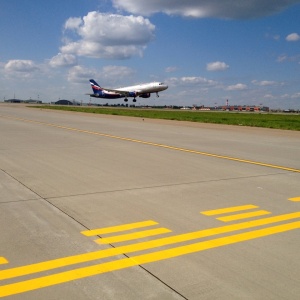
(108, 75)
(296, 96)
(171, 69)
(108, 36)
(80, 74)
(268, 96)
(264, 82)
(73, 23)
(25, 66)
(285, 58)
(190, 82)
(282, 58)
(117, 71)
(293, 37)
(237, 87)
(228, 9)
(216, 66)
(62, 60)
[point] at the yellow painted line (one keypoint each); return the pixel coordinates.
(132, 236)
(118, 228)
(295, 199)
(158, 145)
(3, 260)
(81, 258)
(227, 210)
(243, 216)
(50, 280)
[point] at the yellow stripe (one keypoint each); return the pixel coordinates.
(3, 260)
(118, 228)
(227, 210)
(159, 145)
(132, 236)
(81, 258)
(244, 216)
(45, 281)
(296, 199)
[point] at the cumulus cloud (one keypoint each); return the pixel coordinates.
(110, 75)
(117, 71)
(171, 69)
(191, 81)
(226, 9)
(112, 36)
(293, 37)
(237, 87)
(25, 66)
(216, 66)
(80, 74)
(264, 82)
(285, 58)
(296, 96)
(63, 60)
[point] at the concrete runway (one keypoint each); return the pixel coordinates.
(107, 207)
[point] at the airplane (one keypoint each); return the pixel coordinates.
(141, 90)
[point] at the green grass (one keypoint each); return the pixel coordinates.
(266, 120)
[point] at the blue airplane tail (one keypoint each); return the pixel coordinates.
(95, 86)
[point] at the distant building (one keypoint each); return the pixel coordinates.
(29, 101)
(247, 108)
(66, 102)
(32, 101)
(13, 101)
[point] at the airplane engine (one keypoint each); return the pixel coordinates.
(145, 95)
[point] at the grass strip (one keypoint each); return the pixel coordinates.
(266, 120)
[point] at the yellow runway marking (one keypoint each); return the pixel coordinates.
(76, 259)
(118, 228)
(132, 236)
(295, 199)
(3, 260)
(66, 276)
(221, 211)
(157, 145)
(243, 216)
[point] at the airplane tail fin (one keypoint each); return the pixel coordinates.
(95, 86)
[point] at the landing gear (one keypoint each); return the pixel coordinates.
(134, 100)
(125, 99)
(157, 94)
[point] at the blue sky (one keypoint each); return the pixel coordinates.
(207, 51)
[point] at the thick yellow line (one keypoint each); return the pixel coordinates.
(132, 236)
(81, 258)
(244, 216)
(124, 227)
(221, 211)
(295, 199)
(159, 145)
(45, 281)
(3, 260)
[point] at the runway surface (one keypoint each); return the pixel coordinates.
(107, 207)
